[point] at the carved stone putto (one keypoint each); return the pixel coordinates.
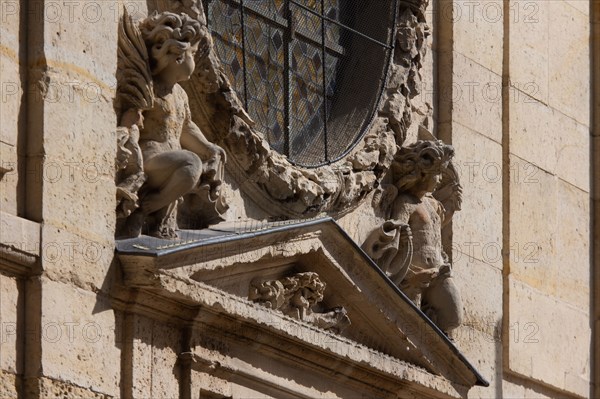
(163, 155)
(408, 246)
(298, 296)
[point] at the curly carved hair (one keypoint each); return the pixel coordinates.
(414, 161)
(168, 33)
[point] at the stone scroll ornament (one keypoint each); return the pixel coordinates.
(162, 154)
(408, 246)
(298, 296)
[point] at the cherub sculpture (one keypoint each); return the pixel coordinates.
(163, 154)
(408, 246)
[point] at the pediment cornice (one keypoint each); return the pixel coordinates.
(214, 270)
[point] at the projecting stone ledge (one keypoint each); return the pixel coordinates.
(300, 292)
(20, 249)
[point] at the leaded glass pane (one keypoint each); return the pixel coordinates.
(264, 71)
(228, 41)
(310, 72)
(307, 121)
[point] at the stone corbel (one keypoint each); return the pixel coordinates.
(20, 254)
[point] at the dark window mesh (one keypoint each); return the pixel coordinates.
(310, 72)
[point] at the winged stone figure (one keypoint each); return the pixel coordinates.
(163, 155)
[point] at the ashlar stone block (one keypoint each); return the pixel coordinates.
(573, 262)
(484, 17)
(475, 95)
(549, 139)
(11, 324)
(83, 322)
(11, 91)
(529, 48)
(479, 162)
(533, 225)
(569, 60)
(482, 302)
(8, 176)
(540, 339)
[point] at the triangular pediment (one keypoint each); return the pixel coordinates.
(237, 272)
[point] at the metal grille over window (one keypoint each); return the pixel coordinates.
(310, 72)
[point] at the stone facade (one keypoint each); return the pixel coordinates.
(280, 300)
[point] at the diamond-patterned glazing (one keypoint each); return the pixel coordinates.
(304, 69)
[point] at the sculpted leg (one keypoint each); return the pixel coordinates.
(442, 303)
(170, 176)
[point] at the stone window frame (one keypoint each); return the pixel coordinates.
(310, 125)
(280, 188)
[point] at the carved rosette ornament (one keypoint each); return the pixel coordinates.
(298, 296)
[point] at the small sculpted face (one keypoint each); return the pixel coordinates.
(427, 184)
(186, 62)
(180, 65)
(432, 180)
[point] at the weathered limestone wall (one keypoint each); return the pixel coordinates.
(595, 195)
(11, 320)
(469, 116)
(513, 99)
(549, 133)
(155, 348)
(12, 108)
(68, 172)
(12, 100)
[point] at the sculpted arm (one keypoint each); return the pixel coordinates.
(193, 139)
(213, 157)
(401, 213)
(390, 245)
(401, 210)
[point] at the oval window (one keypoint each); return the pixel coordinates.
(310, 72)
